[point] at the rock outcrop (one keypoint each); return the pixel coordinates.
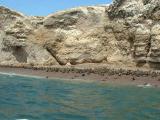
(139, 21)
(125, 33)
(16, 47)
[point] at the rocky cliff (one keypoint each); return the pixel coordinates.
(125, 33)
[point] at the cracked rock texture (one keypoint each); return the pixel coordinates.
(125, 33)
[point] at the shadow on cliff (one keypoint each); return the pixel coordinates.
(20, 54)
(152, 65)
(155, 66)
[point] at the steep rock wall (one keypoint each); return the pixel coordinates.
(141, 18)
(125, 33)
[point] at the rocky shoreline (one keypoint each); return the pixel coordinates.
(100, 73)
(99, 69)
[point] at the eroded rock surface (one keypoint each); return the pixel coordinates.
(125, 33)
(141, 21)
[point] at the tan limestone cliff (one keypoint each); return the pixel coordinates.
(125, 33)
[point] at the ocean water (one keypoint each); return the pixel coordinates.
(41, 99)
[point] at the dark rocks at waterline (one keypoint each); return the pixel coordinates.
(133, 79)
(83, 75)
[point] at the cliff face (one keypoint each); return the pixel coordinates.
(140, 27)
(125, 33)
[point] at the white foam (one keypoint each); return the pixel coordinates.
(21, 75)
(145, 86)
(22, 119)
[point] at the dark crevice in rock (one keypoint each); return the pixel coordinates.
(20, 54)
(131, 41)
(140, 63)
(154, 65)
(54, 56)
(146, 1)
(149, 46)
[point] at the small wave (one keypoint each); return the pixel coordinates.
(21, 75)
(145, 86)
(22, 119)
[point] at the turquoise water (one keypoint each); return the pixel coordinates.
(41, 99)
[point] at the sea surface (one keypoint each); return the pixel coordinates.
(30, 98)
